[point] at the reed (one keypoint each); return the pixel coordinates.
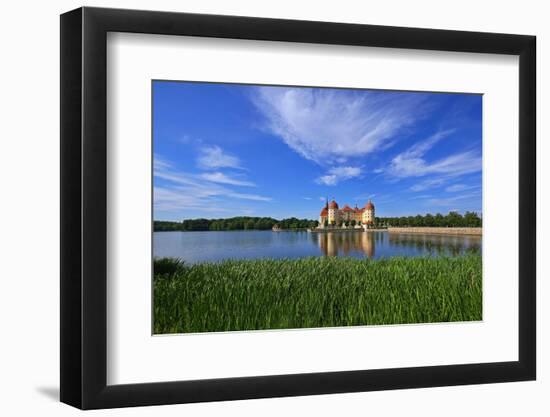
(314, 292)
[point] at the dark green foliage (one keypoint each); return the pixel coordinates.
(167, 266)
(294, 223)
(233, 223)
(163, 226)
(317, 292)
(453, 219)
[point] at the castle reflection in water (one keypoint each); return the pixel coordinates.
(365, 243)
(347, 243)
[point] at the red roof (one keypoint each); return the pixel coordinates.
(333, 205)
(324, 212)
(369, 206)
(347, 208)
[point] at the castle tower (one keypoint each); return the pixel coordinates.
(323, 216)
(368, 213)
(333, 212)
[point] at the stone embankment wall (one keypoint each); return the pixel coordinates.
(438, 230)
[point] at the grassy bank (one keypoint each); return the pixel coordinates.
(314, 292)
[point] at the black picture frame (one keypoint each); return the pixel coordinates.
(84, 207)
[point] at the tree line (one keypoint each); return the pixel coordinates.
(453, 219)
(233, 223)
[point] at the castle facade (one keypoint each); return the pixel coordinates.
(333, 215)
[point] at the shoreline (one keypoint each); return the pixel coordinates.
(349, 229)
(462, 231)
(468, 231)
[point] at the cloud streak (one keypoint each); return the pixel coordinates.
(182, 191)
(337, 174)
(213, 157)
(411, 163)
(328, 126)
(449, 201)
(427, 184)
(222, 178)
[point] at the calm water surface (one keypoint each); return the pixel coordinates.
(214, 246)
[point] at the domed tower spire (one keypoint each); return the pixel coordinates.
(368, 214)
(333, 212)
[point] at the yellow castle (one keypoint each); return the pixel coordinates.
(331, 214)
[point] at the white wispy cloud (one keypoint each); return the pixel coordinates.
(243, 196)
(182, 191)
(160, 164)
(455, 188)
(329, 126)
(411, 163)
(420, 148)
(421, 197)
(337, 174)
(222, 178)
(427, 184)
(460, 187)
(178, 199)
(451, 201)
(214, 157)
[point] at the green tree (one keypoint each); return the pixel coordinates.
(454, 219)
(429, 220)
(471, 219)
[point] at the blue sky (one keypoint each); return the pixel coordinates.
(224, 150)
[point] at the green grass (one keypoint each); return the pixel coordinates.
(314, 292)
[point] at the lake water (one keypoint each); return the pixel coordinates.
(214, 246)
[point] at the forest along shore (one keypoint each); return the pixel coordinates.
(475, 231)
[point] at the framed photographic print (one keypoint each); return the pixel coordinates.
(257, 208)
